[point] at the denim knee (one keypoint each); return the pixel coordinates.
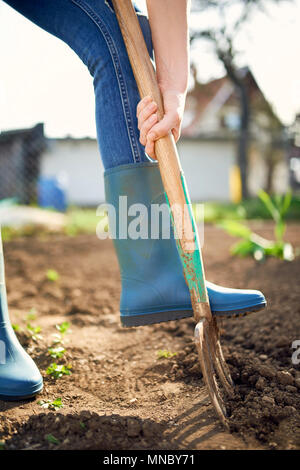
(115, 87)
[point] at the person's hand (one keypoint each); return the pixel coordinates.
(150, 128)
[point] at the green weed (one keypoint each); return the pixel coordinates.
(56, 353)
(164, 354)
(52, 275)
(57, 371)
(51, 405)
(50, 438)
(253, 244)
(34, 332)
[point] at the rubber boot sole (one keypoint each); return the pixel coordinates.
(21, 397)
(128, 321)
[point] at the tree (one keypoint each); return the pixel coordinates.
(232, 17)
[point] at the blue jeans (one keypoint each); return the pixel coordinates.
(91, 29)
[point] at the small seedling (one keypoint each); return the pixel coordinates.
(164, 354)
(57, 339)
(51, 405)
(82, 425)
(2, 445)
(34, 332)
(50, 438)
(63, 327)
(57, 371)
(52, 275)
(57, 353)
(31, 315)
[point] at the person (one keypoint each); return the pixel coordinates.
(153, 285)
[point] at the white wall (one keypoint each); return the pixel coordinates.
(80, 161)
(206, 166)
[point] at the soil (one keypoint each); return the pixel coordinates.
(120, 395)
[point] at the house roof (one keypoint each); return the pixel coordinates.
(70, 138)
(198, 100)
(214, 95)
(33, 132)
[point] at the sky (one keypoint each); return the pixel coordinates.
(42, 80)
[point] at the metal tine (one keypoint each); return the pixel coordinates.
(217, 357)
(217, 365)
(219, 353)
(208, 370)
(209, 348)
(209, 375)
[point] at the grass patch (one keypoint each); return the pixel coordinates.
(85, 220)
(81, 221)
(247, 210)
(11, 233)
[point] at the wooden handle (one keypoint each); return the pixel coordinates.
(165, 148)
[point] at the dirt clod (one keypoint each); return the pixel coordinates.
(285, 377)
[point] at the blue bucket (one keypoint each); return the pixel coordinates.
(51, 194)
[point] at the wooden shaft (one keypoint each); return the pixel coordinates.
(165, 148)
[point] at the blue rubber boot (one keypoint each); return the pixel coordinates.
(19, 376)
(153, 285)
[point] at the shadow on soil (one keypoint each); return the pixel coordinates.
(92, 431)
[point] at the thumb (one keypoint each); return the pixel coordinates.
(162, 128)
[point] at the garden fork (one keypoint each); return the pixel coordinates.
(206, 331)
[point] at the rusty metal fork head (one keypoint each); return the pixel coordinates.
(213, 365)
